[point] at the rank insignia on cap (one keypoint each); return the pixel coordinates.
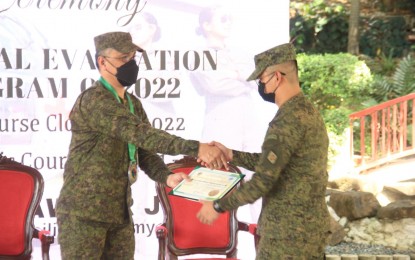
(272, 157)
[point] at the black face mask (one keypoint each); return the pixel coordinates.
(127, 73)
(267, 97)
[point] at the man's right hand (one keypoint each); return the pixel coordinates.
(211, 156)
(225, 150)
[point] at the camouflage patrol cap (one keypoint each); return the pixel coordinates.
(273, 56)
(119, 41)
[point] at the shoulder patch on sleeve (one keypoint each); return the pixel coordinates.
(272, 157)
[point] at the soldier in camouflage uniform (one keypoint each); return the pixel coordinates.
(291, 174)
(112, 136)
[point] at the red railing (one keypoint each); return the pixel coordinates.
(382, 133)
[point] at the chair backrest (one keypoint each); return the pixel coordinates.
(21, 189)
(186, 235)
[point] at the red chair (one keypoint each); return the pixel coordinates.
(21, 189)
(182, 233)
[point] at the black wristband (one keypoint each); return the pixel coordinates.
(217, 207)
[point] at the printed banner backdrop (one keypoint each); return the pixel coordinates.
(191, 82)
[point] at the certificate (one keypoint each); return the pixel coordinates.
(207, 184)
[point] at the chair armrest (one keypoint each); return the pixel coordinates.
(46, 240)
(161, 233)
(251, 228)
(248, 227)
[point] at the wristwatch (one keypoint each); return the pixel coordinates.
(217, 207)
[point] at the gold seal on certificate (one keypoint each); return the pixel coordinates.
(132, 172)
(207, 184)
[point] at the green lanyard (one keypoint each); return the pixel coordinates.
(131, 147)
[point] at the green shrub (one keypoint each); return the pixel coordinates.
(337, 84)
(334, 81)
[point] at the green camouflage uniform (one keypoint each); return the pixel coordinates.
(291, 177)
(93, 208)
(96, 185)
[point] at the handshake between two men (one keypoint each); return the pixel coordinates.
(213, 155)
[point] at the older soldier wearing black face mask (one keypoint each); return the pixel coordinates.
(111, 137)
(290, 172)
